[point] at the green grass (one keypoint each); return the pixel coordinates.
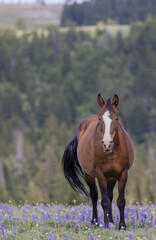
(113, 30)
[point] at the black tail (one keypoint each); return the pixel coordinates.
(71, 167)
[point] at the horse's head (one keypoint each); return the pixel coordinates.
(108, 117)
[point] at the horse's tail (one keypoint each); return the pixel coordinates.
(71, 167)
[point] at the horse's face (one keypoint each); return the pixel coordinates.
(108, 117)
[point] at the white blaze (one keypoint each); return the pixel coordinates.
(107, 120)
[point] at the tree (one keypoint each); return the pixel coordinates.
(20, 24)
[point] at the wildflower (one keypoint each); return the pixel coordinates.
(2, 228)
(149, 234)
(130, 236)
(91, 237)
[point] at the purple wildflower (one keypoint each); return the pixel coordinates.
(149, 234)
(91, 237)
(2, 228)
(130, 236)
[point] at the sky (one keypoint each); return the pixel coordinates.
(32, 1)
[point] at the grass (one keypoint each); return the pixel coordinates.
(111, 30)
(59, 222)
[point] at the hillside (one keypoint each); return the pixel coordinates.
(121, 12)
(48, 83)
(35, 15)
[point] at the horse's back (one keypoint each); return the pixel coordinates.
(86, 124)
(85, 135)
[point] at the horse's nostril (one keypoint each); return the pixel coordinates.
(111, 145)
(107, 146)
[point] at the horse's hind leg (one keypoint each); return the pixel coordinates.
(110, 186)
(93, 195)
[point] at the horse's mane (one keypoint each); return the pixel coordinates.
(109, 106)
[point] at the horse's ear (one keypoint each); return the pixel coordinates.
(100, 100)
(115, 100)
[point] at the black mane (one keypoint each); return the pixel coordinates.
(110, 107)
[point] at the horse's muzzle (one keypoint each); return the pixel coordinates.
(107, 146)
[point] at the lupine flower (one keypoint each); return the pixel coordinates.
(2, 228)
(91, 237)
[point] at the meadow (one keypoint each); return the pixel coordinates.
(73, 222)
(51, 64)
(110, 29)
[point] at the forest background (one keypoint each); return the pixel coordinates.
(49, 81)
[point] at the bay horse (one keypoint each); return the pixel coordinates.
(102, 150)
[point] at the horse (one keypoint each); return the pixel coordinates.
(102, 150)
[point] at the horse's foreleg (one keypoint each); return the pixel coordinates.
(105, 202)
(94, 196)
(121, 198)
(110, 186)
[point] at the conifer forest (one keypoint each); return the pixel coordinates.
(49, 81)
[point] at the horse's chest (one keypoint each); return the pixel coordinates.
(111, 167)
(113, 171)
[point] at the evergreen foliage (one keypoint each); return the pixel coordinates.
(48, 83)
(120, 11)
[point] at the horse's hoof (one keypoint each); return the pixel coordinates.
(122, 227)
(95, 222)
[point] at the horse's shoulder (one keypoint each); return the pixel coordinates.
(85, 123)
